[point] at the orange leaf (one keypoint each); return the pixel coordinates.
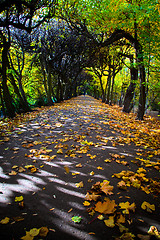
(106, 207)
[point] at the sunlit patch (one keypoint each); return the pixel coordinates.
(70, 192)
(59, 181)
(5, 193)
(2, 175)
(127, 154)
(44, 173)
(99, 176)
(25, 185)
(64, 163)
(76, 205)
(108, 147)
(33, 179)
(52, 164)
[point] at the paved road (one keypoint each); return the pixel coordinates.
(65, 145)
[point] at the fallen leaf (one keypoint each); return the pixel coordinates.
(79, 185)
(122, 228)
(107, 207)
(43, 231)
(60, 151)
(92, 196)
(66, 169)
(127, 206)
(5, 220)
(107, 189)
(76, 219)
(19, 199)
(13, 173)
(79, 165)
(154, 231)
(100, 168)
(109, 222)
(143, 237)
(100, 217)
(148, 207)
(27, 237)
(15, 166)
(121, 219)
(92, 173)
(86, 203)
(34, 232)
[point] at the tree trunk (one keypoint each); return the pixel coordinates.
(49, 83)
(44, 75)
(2, 102)
(6, 94)
(102, 89)
(109, 85)
(130, 90)
(22, 105)
(142, 97)
(113, 79)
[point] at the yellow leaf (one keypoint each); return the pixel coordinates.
(100, 217)
(33, 169)
(21, 169)
(86, 203)
(29, 166)
(66, 168)
(107, 160)
(5, 220)
(75, 173)
(121, 219)
(59, 151)
(79, 185)
(122, 185)
(92, 173)
(34, 232)
(43, 231)
(148, 207)
(127, 207)
(19, 199)
(79, 165)
(154, 231)
(27, 236)
(13, 173)
(15, 166)
(122, 228)
(110, 222)
(107, 189)
(92, 196)
(100, 168)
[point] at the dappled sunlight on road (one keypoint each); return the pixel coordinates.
(56, 159)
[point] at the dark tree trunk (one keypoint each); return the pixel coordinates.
(22, 105)
(130, 90)
(113, 79)
(142, 97)
(6, 94)
(117, 35)
(2, 102)
(49, 83)
(109, 85)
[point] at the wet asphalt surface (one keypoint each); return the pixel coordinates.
(65, 145)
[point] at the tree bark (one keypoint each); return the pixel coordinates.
(6, 94)
(130, 90)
